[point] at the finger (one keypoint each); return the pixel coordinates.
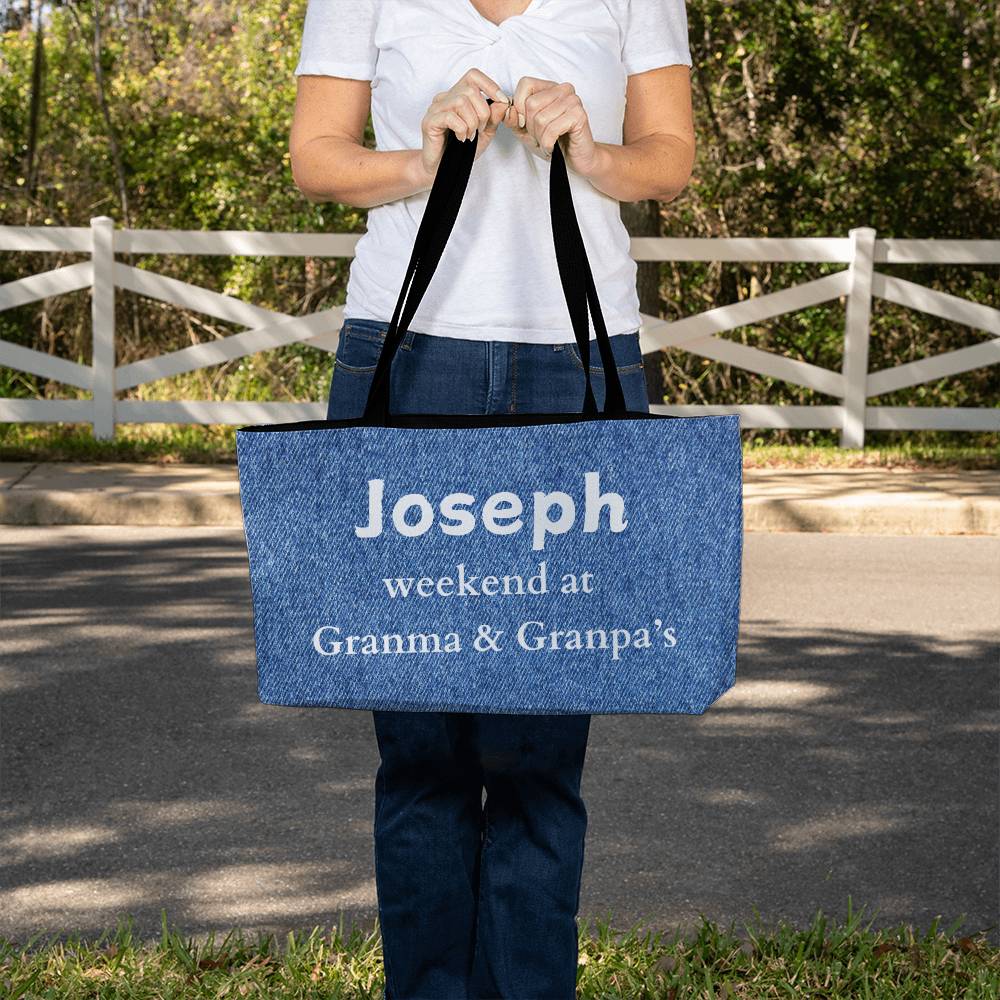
(478, 105)
(558, 118)
(443, 120)
(541, 117)
(510, 120)
(569, 121)
(498, 112)
(526, 87)
(539, 106)
(485, 83)
(464, 108)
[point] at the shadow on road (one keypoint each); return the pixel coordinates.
(139, 770)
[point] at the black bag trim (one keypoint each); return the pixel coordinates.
(442, 421)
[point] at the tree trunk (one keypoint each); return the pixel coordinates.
(34, 112)
(642, 218)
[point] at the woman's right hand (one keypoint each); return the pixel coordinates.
(464, 110)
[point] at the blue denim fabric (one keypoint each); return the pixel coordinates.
(432, 374)
(625, 602)
(478, 901)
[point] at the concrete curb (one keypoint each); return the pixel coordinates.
(850, 501)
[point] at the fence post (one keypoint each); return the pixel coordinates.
(102, 321)
(857, 332)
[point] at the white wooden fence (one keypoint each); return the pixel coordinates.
(856, 285)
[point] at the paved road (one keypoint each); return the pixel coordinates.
(857, 754)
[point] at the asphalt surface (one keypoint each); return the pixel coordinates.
(856, 756)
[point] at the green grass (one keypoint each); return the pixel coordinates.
(825, 961)
(169, 443)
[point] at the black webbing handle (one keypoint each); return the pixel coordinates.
(436, 225)
(579, 288)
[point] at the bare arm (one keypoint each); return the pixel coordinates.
(658, 140)
(328, 157)
(331, 163)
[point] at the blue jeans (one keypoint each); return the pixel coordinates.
(477, 900)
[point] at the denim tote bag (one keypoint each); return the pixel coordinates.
(560, 563)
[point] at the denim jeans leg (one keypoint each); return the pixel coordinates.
(532, 859)
(428, 810)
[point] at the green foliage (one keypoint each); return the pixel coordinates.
(812, 118)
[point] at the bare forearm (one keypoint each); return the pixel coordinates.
(656, 166)
(331, 169)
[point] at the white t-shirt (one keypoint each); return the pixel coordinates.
(497, 278)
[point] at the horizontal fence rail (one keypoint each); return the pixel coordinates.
(857, 285)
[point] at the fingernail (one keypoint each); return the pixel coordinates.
(501, 96)
(520, 119)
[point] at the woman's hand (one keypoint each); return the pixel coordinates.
(464, 110)
(543, 111)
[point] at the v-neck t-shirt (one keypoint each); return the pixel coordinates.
(497, 278)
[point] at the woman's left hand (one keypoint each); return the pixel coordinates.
(542, 111)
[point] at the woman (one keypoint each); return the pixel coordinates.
(481, 900)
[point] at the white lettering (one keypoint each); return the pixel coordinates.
(553, 513)
(450, 509)
(492, 511)
(542, 524)
(403, 504)
(595, 500)
(465, 585)
(374, 527)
